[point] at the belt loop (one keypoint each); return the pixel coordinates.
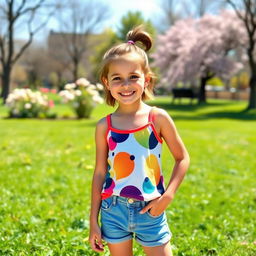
(143, 203)
(114, 200)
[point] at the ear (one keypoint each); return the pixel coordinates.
(105, 82)
(147, 81)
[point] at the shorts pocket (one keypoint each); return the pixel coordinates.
(154, 217)
(106, 204)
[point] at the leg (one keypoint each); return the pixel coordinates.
(121, 249)
(163, 250)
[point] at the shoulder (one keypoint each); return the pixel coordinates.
(102, 125)
(161, 116)
(167, 128)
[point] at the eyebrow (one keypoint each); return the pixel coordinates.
(134, 72)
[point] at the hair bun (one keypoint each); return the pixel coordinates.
(139, 35)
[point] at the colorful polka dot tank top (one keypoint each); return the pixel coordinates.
(134, 162)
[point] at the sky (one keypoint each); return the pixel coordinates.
(149, 9)
(118, 8)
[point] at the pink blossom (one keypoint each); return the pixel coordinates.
(44, 90)
(51, 103)
(192, 48)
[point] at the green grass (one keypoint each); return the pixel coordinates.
(46, 168)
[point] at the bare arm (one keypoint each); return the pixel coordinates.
(178, 151)
(97, 183)
(170, 135)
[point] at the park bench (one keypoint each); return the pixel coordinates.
(179, 93)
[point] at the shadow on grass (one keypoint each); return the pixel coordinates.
(189, 107)
(189, 111)
(218, 115)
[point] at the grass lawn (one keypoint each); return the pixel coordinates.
(46, 168)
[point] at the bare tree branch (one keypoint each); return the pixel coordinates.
(30, 9)
(79, 22)
(236, 10)
(31, 34)
(13, 11)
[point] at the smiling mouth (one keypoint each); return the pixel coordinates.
(126, 94)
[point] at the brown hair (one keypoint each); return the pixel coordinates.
(139, 42)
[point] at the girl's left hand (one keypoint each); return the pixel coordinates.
(157, 206)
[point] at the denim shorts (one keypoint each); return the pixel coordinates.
(121, 221)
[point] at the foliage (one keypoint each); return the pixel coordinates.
(131, 20)
(109, 39)
(46, 179)
(26, 103)
(240, 81)
(215, 81)
(83, 96)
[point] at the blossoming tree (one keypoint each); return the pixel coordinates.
(199, 49)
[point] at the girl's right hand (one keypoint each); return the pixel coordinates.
(95, 239)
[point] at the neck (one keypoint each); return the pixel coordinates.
(130, 109)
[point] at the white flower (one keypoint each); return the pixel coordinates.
(83, 82)
(97, 99)
(70, 96)
(28, 106)
(78, 93)
(92, 91)
(99, 86)
(70, 86)
(67, 95)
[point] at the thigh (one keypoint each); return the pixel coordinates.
(121, 249)
(163, 250)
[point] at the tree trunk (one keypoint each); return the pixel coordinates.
(201, 93)
(75, 70)
(252, 64)
(5, 83)
(252, 97)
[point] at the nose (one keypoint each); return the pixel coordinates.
(126, 82)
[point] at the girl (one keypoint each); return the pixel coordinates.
(128, 185)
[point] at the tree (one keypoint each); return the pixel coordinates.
(80, 20)
(199, 49)
(170, 11)
(198, 8)
(131, 20)
(246, 12)
(33, 61)
(109, 38)
(175, 10)
(12, 14)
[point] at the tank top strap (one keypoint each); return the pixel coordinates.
(108, 117)
(151, 116)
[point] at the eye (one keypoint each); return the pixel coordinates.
(117, 78)
(134, 77)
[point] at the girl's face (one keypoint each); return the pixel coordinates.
(126, 80)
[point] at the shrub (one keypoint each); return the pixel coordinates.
(27, 103)
(82, 96)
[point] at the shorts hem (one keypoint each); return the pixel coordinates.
(154, 243)
(116, 240)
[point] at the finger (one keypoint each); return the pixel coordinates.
(145, 209)
(96, 247)
(99, 242)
